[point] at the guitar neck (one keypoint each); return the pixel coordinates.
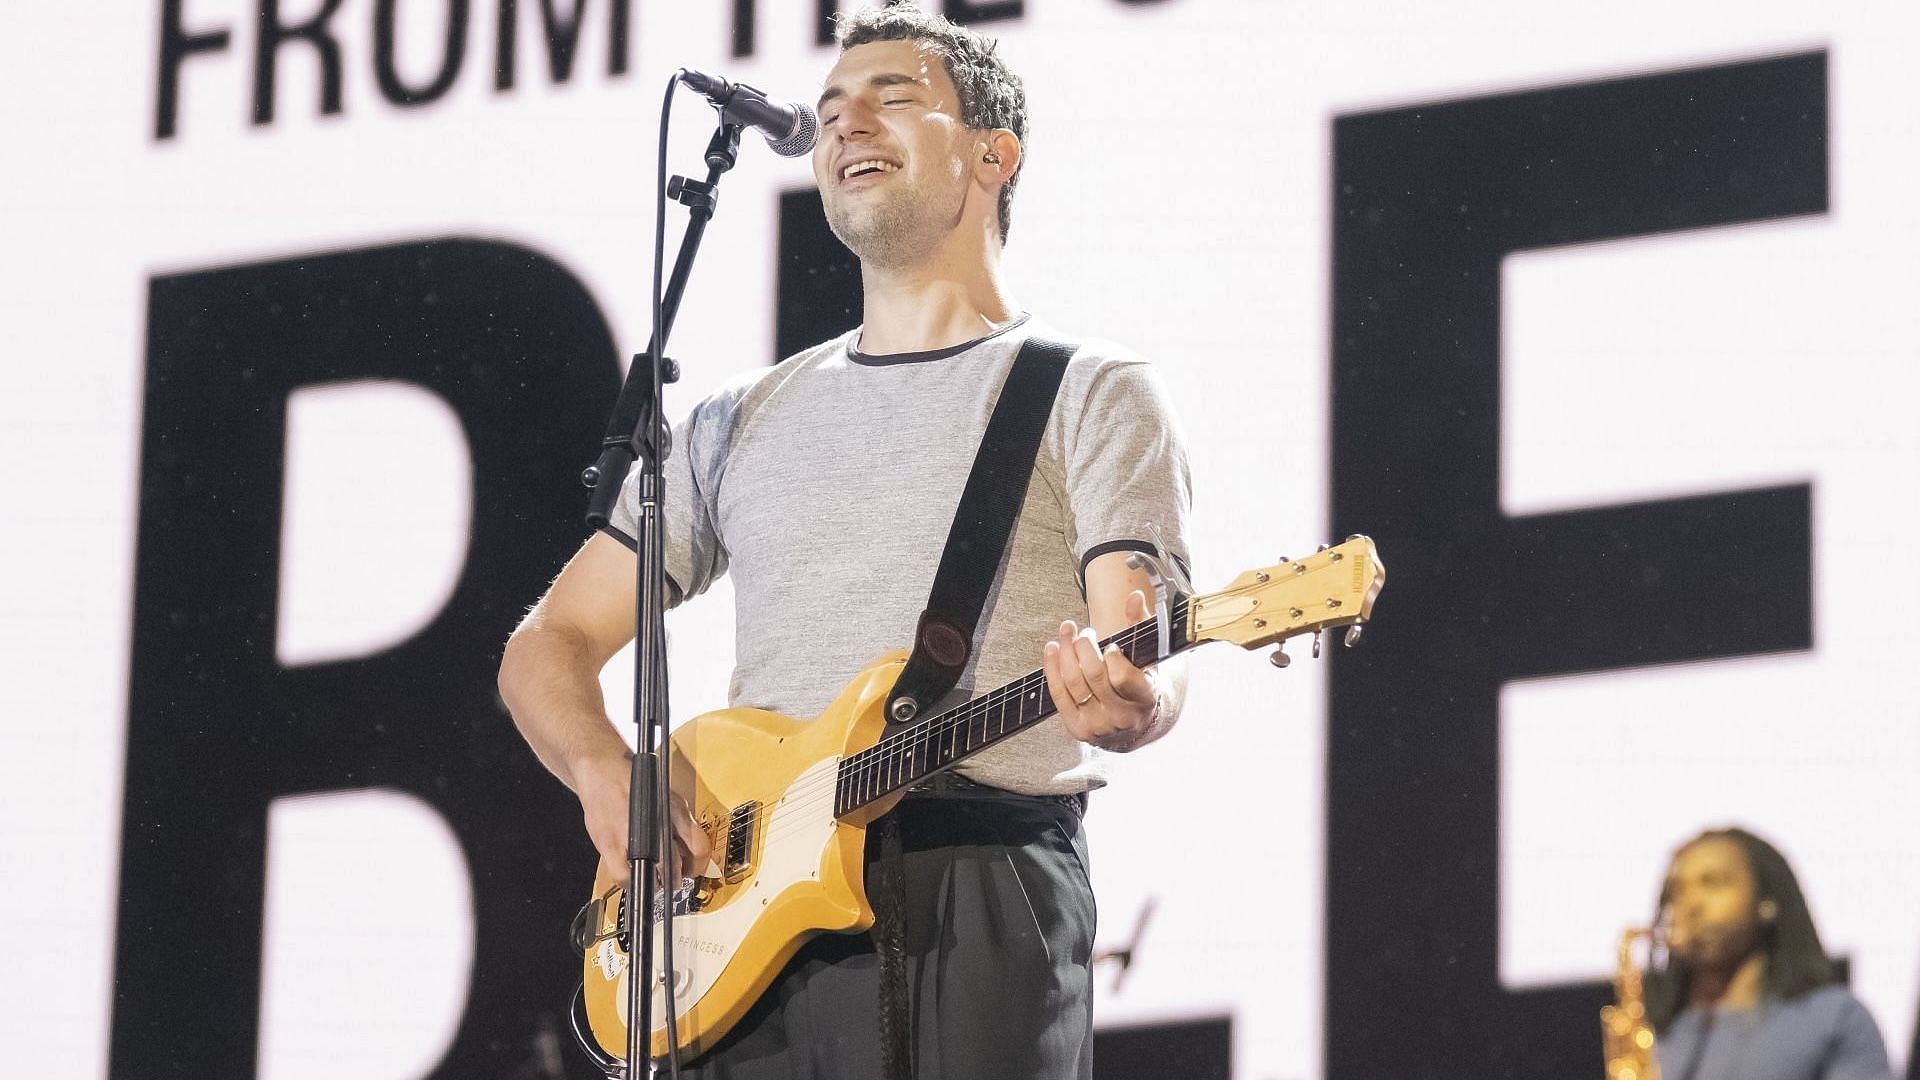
(906, 757)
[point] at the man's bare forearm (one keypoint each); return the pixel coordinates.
(550, 681)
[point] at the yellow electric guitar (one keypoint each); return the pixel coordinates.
(787, 802)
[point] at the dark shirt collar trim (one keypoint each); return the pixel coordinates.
(887, 359)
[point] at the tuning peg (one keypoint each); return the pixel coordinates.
(1316, 644)
(1279, 658)
(1353, 635)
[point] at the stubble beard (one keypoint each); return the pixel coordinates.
(897, 229)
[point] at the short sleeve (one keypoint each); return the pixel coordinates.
(696, 556)
(1126, 467)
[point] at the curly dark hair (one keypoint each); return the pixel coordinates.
(1796, 963)
(991, 95)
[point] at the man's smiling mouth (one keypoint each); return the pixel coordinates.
(867, 166)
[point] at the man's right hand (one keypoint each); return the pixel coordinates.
(603, 787)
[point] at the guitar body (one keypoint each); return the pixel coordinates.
(762, 786)
(765, 789)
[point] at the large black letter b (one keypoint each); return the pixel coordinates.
(217, 728)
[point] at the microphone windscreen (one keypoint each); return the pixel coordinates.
(806, 129)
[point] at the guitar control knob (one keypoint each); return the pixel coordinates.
(1279, 658)
(680, 981)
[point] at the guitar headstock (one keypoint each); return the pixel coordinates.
(1333, 587)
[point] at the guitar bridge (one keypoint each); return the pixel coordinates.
(741, 826)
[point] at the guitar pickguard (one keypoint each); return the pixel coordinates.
(750, 923)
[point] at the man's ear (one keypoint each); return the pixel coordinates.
(999, 156)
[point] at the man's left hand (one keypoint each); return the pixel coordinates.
(1102, 698)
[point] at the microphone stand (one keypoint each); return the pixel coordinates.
(638, 431)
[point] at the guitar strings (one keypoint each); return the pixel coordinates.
(859, 769)
(1134, 635)
(874, 763)
(897, 751)
(1137, 634)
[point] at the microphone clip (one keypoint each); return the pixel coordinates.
(696, 195)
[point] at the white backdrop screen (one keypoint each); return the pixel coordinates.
(312, 310)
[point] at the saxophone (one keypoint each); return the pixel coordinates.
(1624, 1030)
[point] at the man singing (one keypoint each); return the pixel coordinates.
(824, 486)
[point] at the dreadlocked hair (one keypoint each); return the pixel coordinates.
(1796, 963)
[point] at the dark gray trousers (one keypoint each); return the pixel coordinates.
(999, 942)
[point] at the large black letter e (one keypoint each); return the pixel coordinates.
(1427, 203)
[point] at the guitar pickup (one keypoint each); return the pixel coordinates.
(741, 825)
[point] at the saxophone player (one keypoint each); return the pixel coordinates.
(1747, 992)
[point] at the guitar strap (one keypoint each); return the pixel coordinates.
(976, 545)
(982, 525)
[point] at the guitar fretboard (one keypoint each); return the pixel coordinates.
(904, 758)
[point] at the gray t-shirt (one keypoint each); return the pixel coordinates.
(1824, 1034)
(825, 487)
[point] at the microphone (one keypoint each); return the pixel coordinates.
(789, 127)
